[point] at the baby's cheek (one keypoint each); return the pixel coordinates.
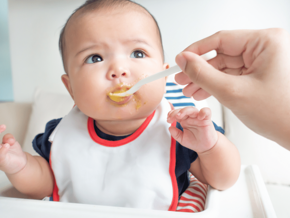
(152, 93)
(89, 103)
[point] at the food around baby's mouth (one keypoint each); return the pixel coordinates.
(116, 98)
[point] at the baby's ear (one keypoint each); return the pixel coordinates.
(66, 82)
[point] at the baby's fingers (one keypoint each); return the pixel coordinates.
(4, 148)
(171, 117)
(176, 133)
(8, 138)
(204, 114)
(2, 128)
(186, 112)
(183, 114)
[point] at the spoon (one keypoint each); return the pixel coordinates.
(164, 73)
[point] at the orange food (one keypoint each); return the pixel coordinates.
(118, 98)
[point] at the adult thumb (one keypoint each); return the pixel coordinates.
(200, 72)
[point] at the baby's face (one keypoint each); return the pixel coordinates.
(108, 51)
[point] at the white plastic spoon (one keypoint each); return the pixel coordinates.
(164, 73)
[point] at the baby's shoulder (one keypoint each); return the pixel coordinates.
(41, 143)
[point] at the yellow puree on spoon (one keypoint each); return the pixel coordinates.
(122, 98)
(118, 98)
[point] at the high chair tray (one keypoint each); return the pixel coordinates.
(247, 198)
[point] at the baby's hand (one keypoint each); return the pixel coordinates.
(12, 158)
(198, 133)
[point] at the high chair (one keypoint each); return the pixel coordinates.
(248, 198)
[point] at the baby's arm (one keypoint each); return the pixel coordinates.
(29, 174)
(218, 162)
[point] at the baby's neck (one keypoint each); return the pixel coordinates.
(119, 127)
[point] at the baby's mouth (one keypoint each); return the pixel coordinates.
(119, 99)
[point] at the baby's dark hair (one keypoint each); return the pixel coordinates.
(91, 5)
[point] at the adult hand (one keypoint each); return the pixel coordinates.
(250, 75)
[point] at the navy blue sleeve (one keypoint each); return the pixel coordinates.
(41, 144)
(218, 128)
(184, 156)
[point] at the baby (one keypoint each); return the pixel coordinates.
(134, 152)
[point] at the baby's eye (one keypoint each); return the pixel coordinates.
(137, 54)
(93, 59)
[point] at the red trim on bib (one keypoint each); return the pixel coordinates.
(124, 141)
(172, 164)
(55, 196)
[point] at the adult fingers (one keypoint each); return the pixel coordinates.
(236, 72)
(190, 89)
(182, 79)
(221, 62)
(207, 77)
(231, 43)
(228, 64)
(195, 91)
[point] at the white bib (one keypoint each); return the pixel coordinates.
(137, 172)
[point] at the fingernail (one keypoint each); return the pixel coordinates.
(6, 145)
(181, 61)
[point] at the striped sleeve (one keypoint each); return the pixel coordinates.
(193, 199)
(175, 96)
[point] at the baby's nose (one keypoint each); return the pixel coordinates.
(117, 75)
(117, 72)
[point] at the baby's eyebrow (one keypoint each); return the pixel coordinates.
(138, 41)
(87, 48)
(126, 42)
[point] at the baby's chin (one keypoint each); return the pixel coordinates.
(129, 114)
(133, 110)
(137, 106)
